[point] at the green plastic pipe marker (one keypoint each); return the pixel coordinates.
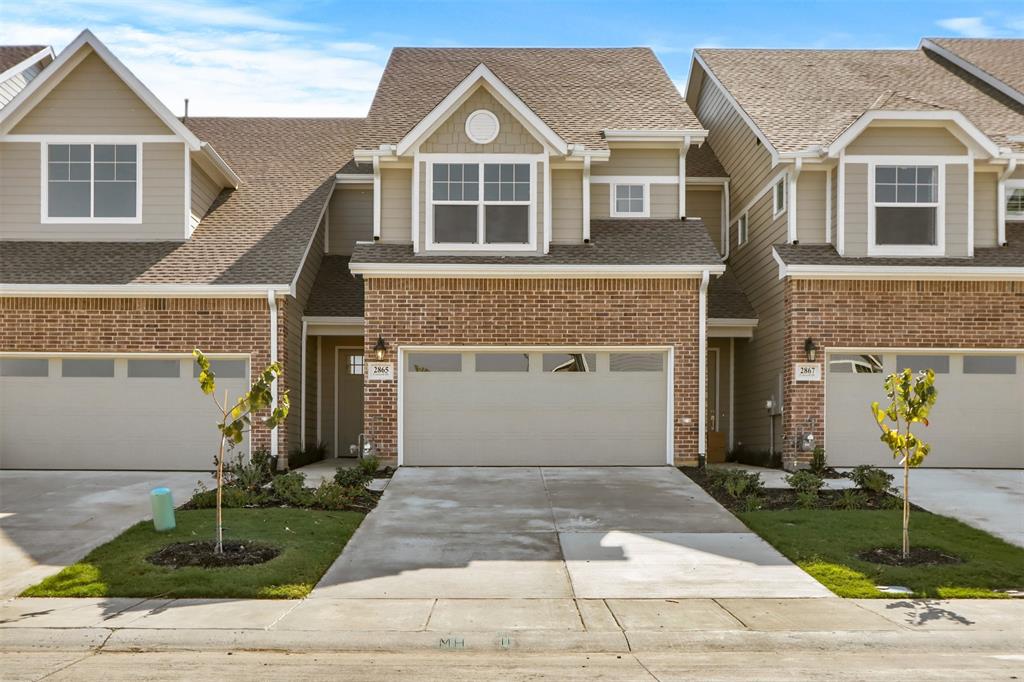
(163, 509)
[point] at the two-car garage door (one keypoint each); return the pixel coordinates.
(553, 407)
(978, 419)
(102, 412)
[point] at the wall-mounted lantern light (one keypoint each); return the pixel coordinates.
(380, 347)
(811, 349)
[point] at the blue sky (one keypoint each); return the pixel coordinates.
(323, 58)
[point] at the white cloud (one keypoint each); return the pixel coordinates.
(970, 27)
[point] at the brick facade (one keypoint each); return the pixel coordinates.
(455, 311)
(146, 325)
(887, 314)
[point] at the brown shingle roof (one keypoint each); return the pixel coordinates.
(1009, 256)
(701, 162)
(11, 55)
(800, 98)
(578, 92)
(1001, 58)
(256, 234)
(727, 300)
(336, 292)
(613, 242)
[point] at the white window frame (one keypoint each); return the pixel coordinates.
(44, 178)
(1011, 186)
(482, 159)
(937, 249)
(777, 207)
(742, 229)
(645, 213)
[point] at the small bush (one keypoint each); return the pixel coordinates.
(871, 478)
(352, 477)
(892, 502)
(751, 503)
(736, 483)
(291, 489)
(850, 499)
(233, 497)
(805, 481)
(807, 499)
(333, 497)
(369, 465)
(251, 475)
(818, 461)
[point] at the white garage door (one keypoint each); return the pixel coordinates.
(978, 420)
(526, 407)
(111, 413)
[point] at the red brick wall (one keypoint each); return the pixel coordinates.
(145, 325)
(425, 311)
(888, 314)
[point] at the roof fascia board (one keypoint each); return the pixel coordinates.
(973, 69)
(684, 136)
(46, 81)
(294, 286)
(708, 73)
(145, 290)
(210, 155)
(481, 73)
(903, 272)
(331, 319)
(503, 270)
(25, 63)
(732, 321)
(353, 179)
(854, 130)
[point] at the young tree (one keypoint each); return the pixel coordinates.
(237, 419)
(910, 400)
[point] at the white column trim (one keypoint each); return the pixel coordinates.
(841, 204)
(702, 365)
(970, 203)
(586, 199)
(1001, 198)
(272, 303)
(416, 203)
(547, 200)
(682, 176)
(828, 206)
(302, 408)
(376, 198)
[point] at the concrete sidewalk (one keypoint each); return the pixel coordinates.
(529, 625)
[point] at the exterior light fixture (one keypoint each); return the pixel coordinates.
(380, 347)
(811, 349)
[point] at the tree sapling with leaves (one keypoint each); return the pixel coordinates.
(237, 419)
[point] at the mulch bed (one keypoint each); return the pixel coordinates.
(919, 556)
(201, 554)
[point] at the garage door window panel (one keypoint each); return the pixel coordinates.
(919, 363)
(154, 369)
(569, 362)
(223, 369)
(855, 364)
(87, 368)
(434, 362)
(24, 367)
(502, 362)
(990, 364)
(636, 362)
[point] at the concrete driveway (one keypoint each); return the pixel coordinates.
(51, 519)
(528, 533)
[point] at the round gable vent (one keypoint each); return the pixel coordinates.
(482, 126)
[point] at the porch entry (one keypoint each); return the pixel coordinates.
(348, 399)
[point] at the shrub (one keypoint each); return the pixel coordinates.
(313, 453)
(291, 489)
(870, 478)
(807, 499)
(818, 461)
(233, 497)
(850, 499)
(805, 482)
(369, 465)
(751, 503)
(352, 477)
(892, 502)
(251, 475)
(333, 497)
(736, 483)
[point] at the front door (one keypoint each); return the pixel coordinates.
(716, 437)
(348, 400)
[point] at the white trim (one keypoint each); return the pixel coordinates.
(698, 181)
(400, 397)
(327, 224)
(511, 270)
(955, 117)
(376, 198)
(670, 399)
(908, 159)
(902, 272)
(718, 384)
(702, 364)
(416, 202)
(481, 160)
(789, 200)
(330, 319)
(736, 106)
(497, 126)
(742, 229)
(971, 68)
(92, 139)
(1004, 183)
(615, 213)
(841, 204)
(732, 393)
(302, 407)
(547, 201)
(907, 250)
(337, 364)
(970, 204)
(732, 321)
(726, 220)
(682, 176)
(272, 304)
(27, 62)
(973, 350)
(45, 82)
(453, 99)
(44, 187)
(133, 355)
(189, 227)
(353, 179)
(778, 210)
(319, 389)
(586, 199)
(294, 286)
(682, 135)
(634, 179)
(144, 290)
(828, 205)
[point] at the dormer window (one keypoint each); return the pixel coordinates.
(482, 205)
(629, 201)
(905, 218)
(1015, 203)
(92, 183)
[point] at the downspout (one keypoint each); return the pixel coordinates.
(272, 303)
(702, 367)
(1011, 166)
(791, 201)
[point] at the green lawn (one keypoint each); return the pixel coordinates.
(824, 543)
(309, 542)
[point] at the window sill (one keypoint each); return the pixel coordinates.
(481, 247)
(90, 221)
(907, 251)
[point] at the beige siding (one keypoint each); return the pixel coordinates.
(985, 209)
(163, 198)
(450, 137)
(204, 192)
(599, 198)
(905, 140)
(639, 162)
(855, 193)
(16, 83)
(1018, 174)
(351, 218)
(396, 205)
(810, 207)
(956, 210)
(759, 360)
(706, 203)
(664, 201)
(91, 99)
(327, 414)
(566, 206)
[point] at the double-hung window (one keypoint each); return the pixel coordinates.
(779, 198)
(92, 183)
(1014, 202)
(906, 212)
(482, 204)
(629, 201)
(741, 229)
